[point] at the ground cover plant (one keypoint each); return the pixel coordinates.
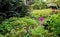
(21, 27)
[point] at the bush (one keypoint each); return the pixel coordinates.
(53, 23)
(13, 8)
(38, 32)
(17, 26)
(38, 4)
(39, 13)
(58, 3)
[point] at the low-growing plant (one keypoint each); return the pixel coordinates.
(41, 5)
(53, 24)
(39, 13)
(16, 26)
(38, 32)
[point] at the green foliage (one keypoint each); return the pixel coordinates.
(17, 26)
(38, 4)
(13, 8)
(53, 23)
(39, 31)
(39, 13)
(58, 3)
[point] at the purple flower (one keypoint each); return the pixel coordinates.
(41, 19)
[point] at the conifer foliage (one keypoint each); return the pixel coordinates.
(12, 8)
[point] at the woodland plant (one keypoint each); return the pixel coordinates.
(22, 27)
(12, 8)
(53, 24)
(39, 13)
(41, 5)
(17, 27)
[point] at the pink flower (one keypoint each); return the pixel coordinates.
(41, 19)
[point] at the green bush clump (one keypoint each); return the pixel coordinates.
(38, 32)
(39, 13)
(18, 27)
(39, 6)
(53, 23)
(13, 8)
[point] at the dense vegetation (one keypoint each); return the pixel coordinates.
(12, 8)
(18, 19)
(53, 23)
(14, 27)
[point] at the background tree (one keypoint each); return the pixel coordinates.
(12, 8)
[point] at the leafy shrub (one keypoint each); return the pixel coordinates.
(53, 23)
(38, 4)
(17, 26)
(38, 32)
(13, 8)
(58, 3)
(39, 13)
